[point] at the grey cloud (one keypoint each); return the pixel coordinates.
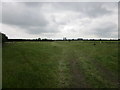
(37, 30)
(22, 16)
(33, 4)
(106, 31)
(91, 9)
(23, 19)
(34, 17)
(59, 22)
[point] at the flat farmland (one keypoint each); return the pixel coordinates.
(60, 64)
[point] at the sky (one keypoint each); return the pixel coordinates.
(55, 20)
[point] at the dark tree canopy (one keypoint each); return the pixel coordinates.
(3, 37)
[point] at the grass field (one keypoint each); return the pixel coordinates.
(63, 64)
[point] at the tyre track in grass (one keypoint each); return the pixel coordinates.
(70, 75)
(78, 79)
(108, 79)
(106, 74)
(63, 69)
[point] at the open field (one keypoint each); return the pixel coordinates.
(63, 64)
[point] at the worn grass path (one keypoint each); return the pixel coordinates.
(74, 77)
(85, 71)
(60, 65)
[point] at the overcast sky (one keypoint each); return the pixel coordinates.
(60, 19)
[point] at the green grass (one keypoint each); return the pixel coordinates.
(0, 65)
(60, 64)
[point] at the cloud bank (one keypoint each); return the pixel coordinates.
(60, 19)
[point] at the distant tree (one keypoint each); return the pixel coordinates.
(44, 39)
(64, 38)
(3, 37)
(80, 39)
(39, 39)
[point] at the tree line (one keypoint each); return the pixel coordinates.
(5, 39)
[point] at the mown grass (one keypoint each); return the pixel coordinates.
(48, 64)
(30, 65)
(0, 65)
